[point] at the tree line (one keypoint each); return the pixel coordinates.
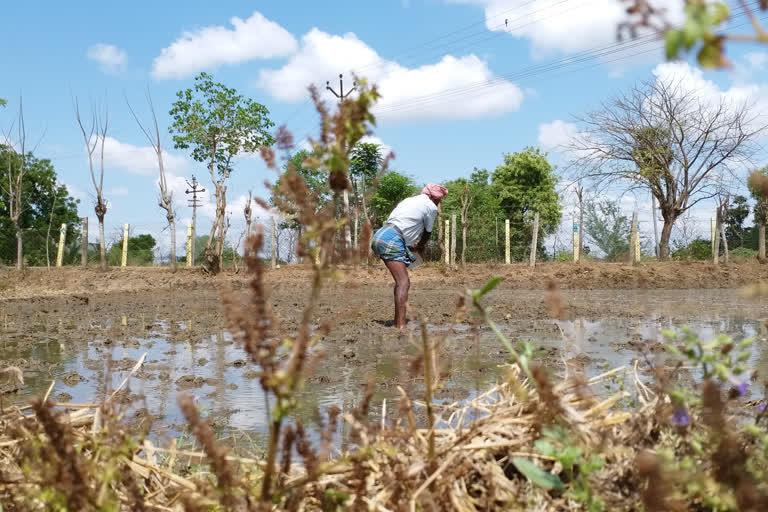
(658, 137)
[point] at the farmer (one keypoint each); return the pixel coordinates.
(407, 229)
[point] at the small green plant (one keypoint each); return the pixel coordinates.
(576, 468)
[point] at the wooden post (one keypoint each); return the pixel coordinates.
(724, 241)
(124, 261)
(716, 239)
(712, 231)
(632, 236)
(535, 239)
(274, 243)
(638, 253)
(507, 258)
(576, 237)
(453, 240)
(62, 240)
(447, 242)
(189, 244)
(84, 243)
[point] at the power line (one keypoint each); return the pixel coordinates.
(534, 71)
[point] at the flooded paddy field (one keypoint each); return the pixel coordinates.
(86, 344)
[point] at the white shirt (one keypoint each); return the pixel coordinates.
(413, 216)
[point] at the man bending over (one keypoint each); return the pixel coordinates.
(407, 229)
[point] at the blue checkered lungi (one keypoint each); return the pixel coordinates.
(388, 244)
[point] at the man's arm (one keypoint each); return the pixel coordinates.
(419, 247)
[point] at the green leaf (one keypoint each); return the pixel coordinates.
(536, 475)
(720, 14)
(490, 285)
(674, 40)
(711, 56)
(545, 447)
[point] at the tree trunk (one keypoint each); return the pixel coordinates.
(102, 245)
(172, 227)
(463, 244)
(19, 247)
(761, 241)
(666, 234)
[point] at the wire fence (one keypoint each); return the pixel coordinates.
(148, 244)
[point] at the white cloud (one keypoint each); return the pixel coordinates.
(453, 88)
(137, 159)
(552, 25)
(206, 48)
(691, 79)
(118, 191)
(556, 136)
(111, 59)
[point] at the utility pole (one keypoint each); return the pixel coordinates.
(194, 203)
(342, 96)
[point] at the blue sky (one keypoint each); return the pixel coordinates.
(433, 60)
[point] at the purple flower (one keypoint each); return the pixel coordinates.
(742, 388)
(761, 407)
(681, 417)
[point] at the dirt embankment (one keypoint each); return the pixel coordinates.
(74, 282)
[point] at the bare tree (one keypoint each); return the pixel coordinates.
(466, 202)
(685, 230)
(670, 140)
(16, 172)
(94, 137)
(580, 198)
(165, 200)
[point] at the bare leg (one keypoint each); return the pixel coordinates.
(402, 283)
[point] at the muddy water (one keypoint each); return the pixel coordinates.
(196, 356)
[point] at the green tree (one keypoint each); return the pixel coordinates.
(735, 215)
(46, 203)
(393, 187)
(315, 179)
(140, 251)
(216, 124)
(364, 165)
(607, 228)
(481, 215)
(525, 183)
(761, 209)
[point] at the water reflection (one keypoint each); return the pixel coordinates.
(191, 355)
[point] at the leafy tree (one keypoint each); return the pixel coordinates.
(760, 194)
(525, 183)
(364, 165)
(393, 188)
(216, 124)
(46, 202)
(315, 179)
(3, 102)
(699, 249)
(481, 215)
(606, 227)
(735, 215)
(140, 251)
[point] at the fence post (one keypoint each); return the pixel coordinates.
(453, 240)
(535, 239)
(62, 240)
(632, 237)
(274, 242)
(712, 231)
(638, 254)
(576, 252)
(447, 242)
(189, 244)
(716, 238)
(507, 258)
(124, 261)
(84, 243)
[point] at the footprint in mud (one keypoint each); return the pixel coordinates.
(73, 379)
